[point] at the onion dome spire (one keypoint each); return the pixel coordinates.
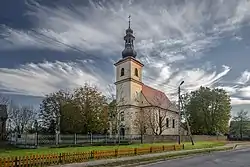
(129, 42)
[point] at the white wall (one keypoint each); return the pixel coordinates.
(128, 89)
(152, 116)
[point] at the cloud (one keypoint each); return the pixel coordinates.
(166, 33)
(44, 78)
(245, 91)
(244, 78)
(169, 79)
(231, 90)
(239, 101)
(176, 30)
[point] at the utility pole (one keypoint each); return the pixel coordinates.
(188, 126)
(179, 108)
(241, 131)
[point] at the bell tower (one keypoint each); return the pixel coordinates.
(128, 81)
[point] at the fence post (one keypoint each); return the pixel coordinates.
(183, 146)
(135, 151)
(16, 162)
(75, 138)
(151, 150)
(60, 158)
(174, 148)
(163, 148)
(91, 154)
(57, 139)
(116, 152)
(16, 138)
(91, 138)
(36, 139)
(25, 140)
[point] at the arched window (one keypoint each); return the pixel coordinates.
(136, 72)
(167, 122)
(122, 116)
(173, 123)
(122, 72)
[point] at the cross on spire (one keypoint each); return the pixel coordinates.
(129, 20)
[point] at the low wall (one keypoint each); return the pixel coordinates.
(184, 138)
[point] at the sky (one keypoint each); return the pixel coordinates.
(50, 45)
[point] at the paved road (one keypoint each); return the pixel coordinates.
(235, 158)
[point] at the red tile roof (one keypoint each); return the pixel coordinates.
(157, 98)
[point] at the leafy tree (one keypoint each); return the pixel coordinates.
(240, 125)
(91, 107)
(208, 110)
(82, 111)
(51, 109)
(112, 113)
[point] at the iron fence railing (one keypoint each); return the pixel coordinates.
(69, 139)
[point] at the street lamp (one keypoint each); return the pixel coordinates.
(179, 107)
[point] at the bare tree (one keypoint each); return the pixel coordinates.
(156, 115)
(141, 123)
(21, 117)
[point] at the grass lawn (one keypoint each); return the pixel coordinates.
(8, 152)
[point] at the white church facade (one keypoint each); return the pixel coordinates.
(134, 97)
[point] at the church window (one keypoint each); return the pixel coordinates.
(167, 122)
(136, 72)
(122, 116)
(173, 123)
(122, 72)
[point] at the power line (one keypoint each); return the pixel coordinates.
(67, 45)
(59, 42)
(165, 85)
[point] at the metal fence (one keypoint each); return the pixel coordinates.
(34, 140)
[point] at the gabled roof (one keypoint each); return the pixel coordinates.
(157, 98)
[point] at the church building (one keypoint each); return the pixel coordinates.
(134, 97)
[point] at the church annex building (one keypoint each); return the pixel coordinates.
(133, 96)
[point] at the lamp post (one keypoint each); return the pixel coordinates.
(179, 107)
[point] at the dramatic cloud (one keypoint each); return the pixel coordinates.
(185, 28)
(244, 78)
(193, 78)
(44, 78)
(167, 33)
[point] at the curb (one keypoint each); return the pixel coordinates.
(173, 155)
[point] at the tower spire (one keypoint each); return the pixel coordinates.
(129, 42)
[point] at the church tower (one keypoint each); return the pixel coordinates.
(128, 84)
